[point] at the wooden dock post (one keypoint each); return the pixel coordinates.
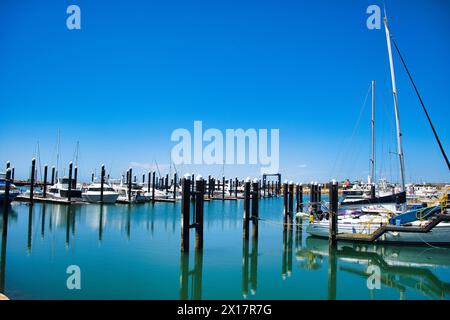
(12, 174)
(53, 175)
(92, 177)
(300, 197)
(193, 188)
(166, 183)
(130, 175)
(102, 183)
(143, 179)
(223, 188)
(285, 201)
(246, 222)
(372, 191)
(264, 185)
(236, 187)
(185, 214)
(44, 189)
(69, 190)
(153, 186)
(149, 181)
(333, 198)
(291, 200)
(6, 200)
(199, 204)
(75, 176)
(255, 208)
(33, 171)
(175, 186)
(312, 196)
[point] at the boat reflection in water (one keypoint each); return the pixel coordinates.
(402, 267)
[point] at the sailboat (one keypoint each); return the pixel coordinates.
(371, 194)
(418, 217)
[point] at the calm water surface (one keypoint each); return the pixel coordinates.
(133, 252)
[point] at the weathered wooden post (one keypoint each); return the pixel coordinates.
(372, 191)
(102, 183)
(69, 189)
(291, 200)
(200, 190)
(8, 165)
(143, 179)
(246, 221)
(255, 208)
(299, 197)
(167, 183)
(6, 200)
(333, 195)
(264, 185)
(75, 176)
(193, 188)
(209, 187)
(53, 176)
(33, 171)
(319, 192)
(175, 186)
(130, 175)
(149, 181)
(44, 189)
(311, 196)
(12, 174)
(153, 186)
(92, 177)
(285, 201)
(185, 214)
(223, 188)
(236, 187)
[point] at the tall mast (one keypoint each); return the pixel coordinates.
(397, 118)
(372, 159)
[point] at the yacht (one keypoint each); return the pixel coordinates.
(137, 194)
(61, 189)
(13, 191)
(92, 193)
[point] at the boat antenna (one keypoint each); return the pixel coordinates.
(372, 159)
(397, 117)
(423, 105)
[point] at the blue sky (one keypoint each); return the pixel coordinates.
(137, 70)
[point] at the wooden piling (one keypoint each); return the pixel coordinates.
(291, 200)
(44, 187)
(255, 208)
(174, 186)
(53, 176)
(33, 170)
(12, 174)
(333, 198)
(69, 191)
(285, 202)
(223, 188)
(199, 203)
(185, 216)
(7, 188)
(153, 186)
(246, 222)
(102, 183)
(75, 176)
(299, 198)
(130, 175)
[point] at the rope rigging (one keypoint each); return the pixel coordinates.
(423, 105)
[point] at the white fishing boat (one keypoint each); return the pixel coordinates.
(60, 190)
(92, 193)
(136, 195)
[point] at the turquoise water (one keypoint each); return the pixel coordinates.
(133, 252)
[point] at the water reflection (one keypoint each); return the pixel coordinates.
(196, 275)
(249, 266)
(154, 268)
(402, 267)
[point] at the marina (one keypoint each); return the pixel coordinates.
(217, 152)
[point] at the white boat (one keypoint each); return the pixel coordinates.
(92, 193)
(13, 191)
(61, 189)
(136, 196)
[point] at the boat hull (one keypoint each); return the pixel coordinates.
(438, 235)
(96, 198)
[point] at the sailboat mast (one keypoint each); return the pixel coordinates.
(397, 118)
(372, 159)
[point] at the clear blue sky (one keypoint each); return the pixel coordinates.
(139, 69)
